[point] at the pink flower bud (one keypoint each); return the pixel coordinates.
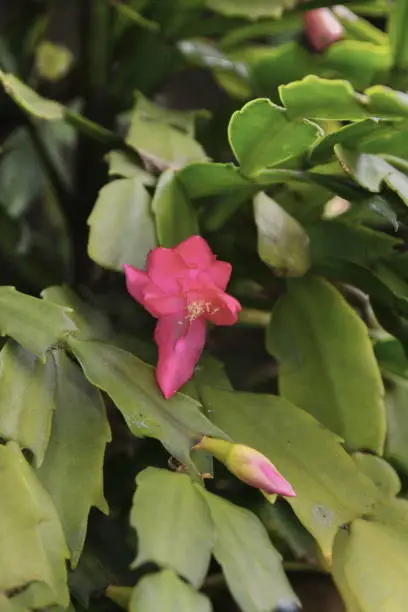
(322, 28)
(248, 465)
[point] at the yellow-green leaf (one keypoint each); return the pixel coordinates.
(320, 343)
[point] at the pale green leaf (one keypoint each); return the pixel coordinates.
(262, 134)
(34, 323)
(282, 242)
(330, 490)
(121, 225)
(396, 399)
(27, 387)
(32, 546)
(166, 592)
(398, 34)
(72, 471)
(175, 216)
(177, 422)
(34, 104)
(173, 525)
(370, 567)
(121, 164)
(380, 472)
(252, 567)
(320, 343)
(162, 137)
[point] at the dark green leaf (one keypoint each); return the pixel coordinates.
(252, 567)
(72, 469)
(282, 242)
(27, 387)
(209, 179)
(251, 10)
(34, 323)
(34, 104)
(165, 591)
(320, 343)
(173, 525)
(330, 491)
(262, 135)
(121, 225)
(175, 216)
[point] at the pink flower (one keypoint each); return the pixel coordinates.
(183, 288)
(322, 28)
(248, 465)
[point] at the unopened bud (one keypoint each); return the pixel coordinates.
(248, 465)
(322, 28)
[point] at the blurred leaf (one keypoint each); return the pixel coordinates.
(320, 343)
(130, 13)
(380, 472)
(396, 400)
(345, 241)
(349, 135)
(121, 225)
(34, 323)
(306, 453)
(252, 567)
(130, 382)
(34, 104)
(72, 471)
(262, 135)
(251, 10)
(209, 179)
(364, 552)
(371, 171)
(52, 61)
(121, 164)
(282, 242)
(398, 34)
(322, 99)
(42, 108)
(33, 549)
(175, 216)
(119, 595)
(27, 386)
(165, 591)
(165, 138)
(172, 521)
(359, 28)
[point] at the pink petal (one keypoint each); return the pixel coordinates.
(180, 347)
(274, 481)
(195, 252)
(159, 304)
(224, 310)
(164, 267)
(220, 273)
(322, 28)
(136, 281)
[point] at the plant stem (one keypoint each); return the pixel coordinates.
(252, 317)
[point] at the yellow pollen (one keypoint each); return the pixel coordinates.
(197, 309)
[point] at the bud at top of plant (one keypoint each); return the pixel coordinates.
(248, 465)
(322, 28)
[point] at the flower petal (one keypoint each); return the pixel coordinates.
(160, 304)
(136, 280)
(322, 28)
(180, 347)
(196, 252)
(275, 482)
(164, 267)
(220, 273)
(224, 309)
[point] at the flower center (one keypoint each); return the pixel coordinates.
(198, 308)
